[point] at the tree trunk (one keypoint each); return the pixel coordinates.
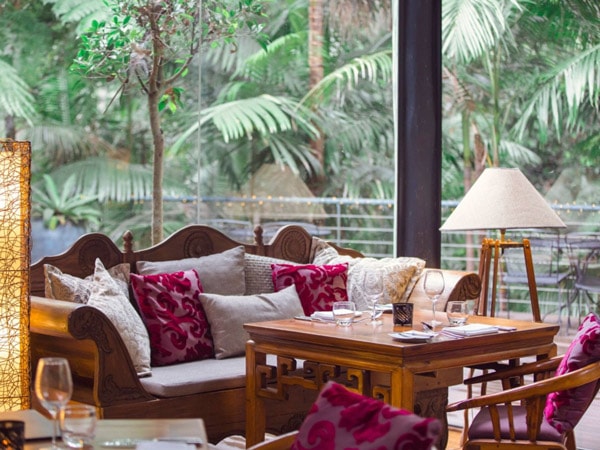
(157, 177)
(316, 72)
(153, 90)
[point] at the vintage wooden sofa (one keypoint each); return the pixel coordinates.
(102, 368)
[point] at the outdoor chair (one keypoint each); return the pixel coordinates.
(543, 413)
(549, 272)
(584, 257)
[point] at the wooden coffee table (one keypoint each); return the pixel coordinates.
(407, 375)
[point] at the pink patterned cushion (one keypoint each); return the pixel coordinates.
(169, 304)
(340, 419)
(318, 286)
(564, 408)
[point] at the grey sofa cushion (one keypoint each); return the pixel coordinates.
(227, 315)
(222, 273)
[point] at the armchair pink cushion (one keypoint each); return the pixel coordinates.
(340, 419)
(170, 306)
(318, 286)
(564, 408)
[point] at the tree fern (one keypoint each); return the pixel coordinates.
(15, 97)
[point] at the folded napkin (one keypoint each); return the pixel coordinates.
(322, 315)
(328, 315)
(416, 334)
(164, 445)
(471, 329)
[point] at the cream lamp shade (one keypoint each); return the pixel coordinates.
(502, 199)
(15, 160)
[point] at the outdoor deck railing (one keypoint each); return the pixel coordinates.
(368, 226)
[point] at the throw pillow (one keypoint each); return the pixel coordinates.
(402, 274)
(318, 286)
(62, 286)
(228, 314)
(340, 419)
(259, 279)
(564, 409)
(169, 304)
(221, 273)
(108, 298)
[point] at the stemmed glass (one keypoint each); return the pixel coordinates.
(53, 388)
(434, 286)
(373, 286)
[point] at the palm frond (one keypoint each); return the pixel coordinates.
(265, 114)
(260, 65)
(15, 98)
(562, 91)
(375, 67)
(80, 12)
(471, 28)
(114, 180)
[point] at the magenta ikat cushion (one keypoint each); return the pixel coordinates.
(318, 286)
(341, 420)
(170, 307)
(564, 408)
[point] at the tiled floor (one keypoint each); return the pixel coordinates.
(586, 431)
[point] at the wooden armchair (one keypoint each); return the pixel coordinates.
(515, 417)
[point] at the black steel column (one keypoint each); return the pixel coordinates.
(419, 143)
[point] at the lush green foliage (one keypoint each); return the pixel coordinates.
(521, 84)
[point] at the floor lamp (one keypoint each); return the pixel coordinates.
(15, 158)
(502, 199)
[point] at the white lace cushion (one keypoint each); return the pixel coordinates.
(62, 286)
(106, 296)
(401, 275)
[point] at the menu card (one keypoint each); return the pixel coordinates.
(471, 329)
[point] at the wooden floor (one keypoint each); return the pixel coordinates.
(586, 432)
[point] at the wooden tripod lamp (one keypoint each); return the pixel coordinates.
(502, 199)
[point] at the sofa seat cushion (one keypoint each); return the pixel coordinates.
(196, 377)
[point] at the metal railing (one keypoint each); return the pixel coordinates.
(368, 226)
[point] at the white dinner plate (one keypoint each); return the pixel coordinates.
(412, 336)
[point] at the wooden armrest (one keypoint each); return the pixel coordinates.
(95, 350)
(51, 317)
(587, 374)
(536, 367)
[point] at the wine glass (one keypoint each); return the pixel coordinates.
(373, 288)
(53, 388)
(433, 284)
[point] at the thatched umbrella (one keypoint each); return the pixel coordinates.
(272, 194)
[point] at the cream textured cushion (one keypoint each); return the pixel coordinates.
(228, 314)
(106, 296)
(402, 274)
(221, 273)
(62, 286)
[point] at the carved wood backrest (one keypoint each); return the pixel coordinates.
(291, 242)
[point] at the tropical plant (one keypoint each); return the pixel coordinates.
(152, 45)
(57, 205)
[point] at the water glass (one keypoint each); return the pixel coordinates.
(457, 313)
(78, 425)
(343, 313)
